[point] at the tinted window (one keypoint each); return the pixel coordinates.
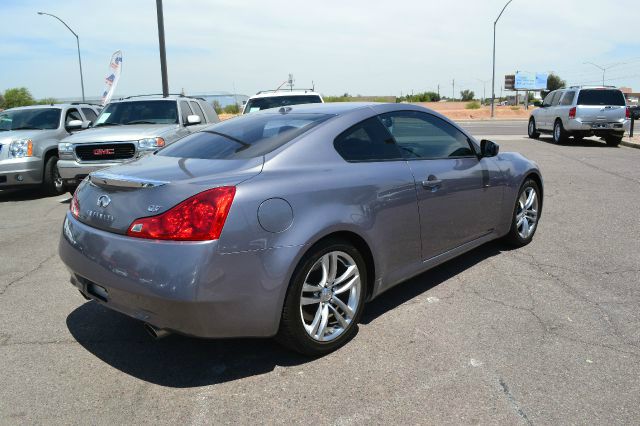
(198, 111)
(279, 101)
(72, 114)
(556, 98)
(185, 111)
(244, 137)
(567, 99)
(548, 99)
(138, 112)
(38, 118)
(601, 97)
(425, 136)
(367, 141)
(90, 114)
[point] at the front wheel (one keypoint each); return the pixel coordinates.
(325, 299)
(526, 214)
(532, 130)
(52, 182)
(559, 134)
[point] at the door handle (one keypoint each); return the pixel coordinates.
(432, 183)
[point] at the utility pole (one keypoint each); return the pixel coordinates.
(603, 68)
(484, 89)
(453, 89)
(438, 91)
(493, 78)
(163, 53)
(77, 42)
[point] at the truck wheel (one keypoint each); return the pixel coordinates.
(613, 140)
(532, 130)
(52, 182)
(559, 134)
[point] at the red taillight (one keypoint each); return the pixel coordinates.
(572, 112)
(198, 218)
(75, 205)
(627, 114)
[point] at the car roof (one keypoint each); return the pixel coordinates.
(273, 93)
(326, 108)
(137, 98)
(55, 106)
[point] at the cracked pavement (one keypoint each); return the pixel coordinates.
(546, 334)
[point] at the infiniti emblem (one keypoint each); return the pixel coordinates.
(103, 201)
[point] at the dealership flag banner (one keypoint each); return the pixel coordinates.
(115, 66)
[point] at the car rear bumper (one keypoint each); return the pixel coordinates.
(597, 128)
(185, 287)
(20, 172)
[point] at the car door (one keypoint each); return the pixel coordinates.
(543, 116)
(459, 195)
(197, 110)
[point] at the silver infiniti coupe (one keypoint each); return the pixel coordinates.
(285, 222)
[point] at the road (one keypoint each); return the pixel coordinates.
(497, 127)
(549, 333)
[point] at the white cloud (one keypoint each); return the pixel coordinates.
(358, 46)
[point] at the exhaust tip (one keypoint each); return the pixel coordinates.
(155, 332)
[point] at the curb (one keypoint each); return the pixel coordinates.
(630, 144)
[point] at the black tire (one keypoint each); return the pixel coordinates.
(292, 333)
(71, 189)
(559, 134)
(613, 140)
(514, 238)
(532, 130)
(51, 182)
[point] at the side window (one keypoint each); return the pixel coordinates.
(72, 114)
(367, 141)
(198, 111)
(424, 136)
(185, 111)
(90, 114)
(556, 98)
(548, 99)
(567, 99)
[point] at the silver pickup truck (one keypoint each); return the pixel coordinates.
(128, 129)
(582, 111)
(29, 139)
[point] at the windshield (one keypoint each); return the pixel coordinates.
(244, 137)
(601, 97)
(32, 119)
(138, 112)
(258, 104)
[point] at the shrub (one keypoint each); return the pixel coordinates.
(472, 105)
(217, 107)
(232, 109)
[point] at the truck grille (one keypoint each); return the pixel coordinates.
(106, 151)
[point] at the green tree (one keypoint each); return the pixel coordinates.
(232, 109)
(554, 82)
(467, 95)
(217, 107)
(1, 101)
(18, 96)
(47, 101)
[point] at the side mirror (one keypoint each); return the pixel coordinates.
(74, 125)
(488, 148)
(193, 119)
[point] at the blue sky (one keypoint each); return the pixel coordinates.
(359, 46)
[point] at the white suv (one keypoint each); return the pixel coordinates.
(582, 111)
(280, 98)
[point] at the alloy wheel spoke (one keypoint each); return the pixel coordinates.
(343, 322)
(311, 328)
(346, 275)
(347, 286)
(309, 300)
(345, 308)
(324, 263)
(525, 227)
(311, 288)
(323, 322)
(530, 199)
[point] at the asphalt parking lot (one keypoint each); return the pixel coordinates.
(548, 334)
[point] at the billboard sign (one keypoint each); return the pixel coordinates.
(509, 81)
(531, 81)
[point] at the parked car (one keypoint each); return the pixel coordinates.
(285, 222)
(580, 112)
(29, 139)
(280, 98)
(130, 128)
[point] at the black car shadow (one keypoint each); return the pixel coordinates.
(586, 142)
(181, 362)
(27, 194)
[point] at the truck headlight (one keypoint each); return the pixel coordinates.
(66, 148)
(21, 148)
(150, 143)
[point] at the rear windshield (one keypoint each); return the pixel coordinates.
(601, 97)
(244, 137)
(279, 101)
(30, 119)
(138, 112)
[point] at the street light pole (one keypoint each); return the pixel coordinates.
(604, 69)
(77, 42)
(493, 78)
(163, 53)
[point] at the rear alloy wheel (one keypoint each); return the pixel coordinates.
(613, 140)
(52, 182)
(325, 299)
(559, 134)
(526, 214)
(531, 129)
